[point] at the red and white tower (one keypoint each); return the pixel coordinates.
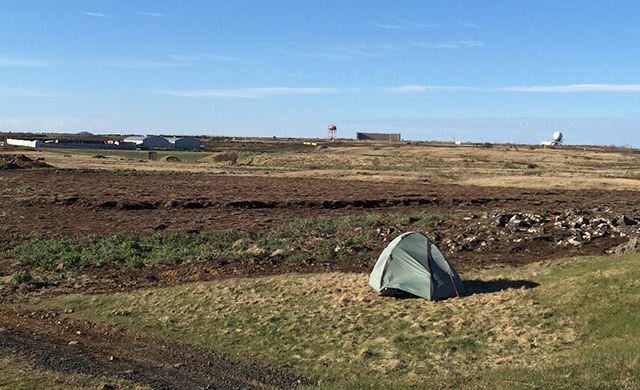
(332, 132)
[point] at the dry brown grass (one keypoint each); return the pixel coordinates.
(501, 165)
(73, 160)
(229, 157)
(337, 318)
(582, 318)
(498, 166)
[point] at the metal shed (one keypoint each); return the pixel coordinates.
(184, 143)
(149, 142)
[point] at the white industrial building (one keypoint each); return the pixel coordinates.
(35, 143)
(129, 143)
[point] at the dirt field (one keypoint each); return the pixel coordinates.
(52, 204)
(493, 223)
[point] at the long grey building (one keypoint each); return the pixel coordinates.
(378, 136)
(153, 142)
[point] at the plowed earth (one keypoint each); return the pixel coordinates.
(48, 203)
(54, 203)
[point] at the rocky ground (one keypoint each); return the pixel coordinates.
(523, 232)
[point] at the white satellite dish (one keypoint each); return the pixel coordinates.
(557, 136)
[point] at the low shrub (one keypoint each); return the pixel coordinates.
(21, 277)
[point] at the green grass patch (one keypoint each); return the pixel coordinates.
(579, 329)
(128, 250)
(21, 277)
(312, 239)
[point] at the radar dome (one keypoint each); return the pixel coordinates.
(557, 136)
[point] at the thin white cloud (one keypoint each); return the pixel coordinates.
(412, 24)
(196, 57)
(187, 56)
(152, 14)
(401, 24)
(21, 62)
(178, 60)
(410, 89)
(97, 14)
(449, 45)
(465, 24)
(26, 92)
(350, 51)
(571, 88)
(387, 26)
(141, 64)
(470, 43)
(248, 92)
(417, 89)
(359, 50)
(345, 52)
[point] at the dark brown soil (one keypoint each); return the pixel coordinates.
(49, 204)
(20, 161)
(53, 341)
(54, 203)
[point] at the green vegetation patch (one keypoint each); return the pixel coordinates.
(312, 239)
(578, 329)
(21, 277)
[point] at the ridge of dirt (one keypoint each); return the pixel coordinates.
(50, 204)
(54, 341)
(20, 161)
(53, 204)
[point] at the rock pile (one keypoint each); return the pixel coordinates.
(565, 229)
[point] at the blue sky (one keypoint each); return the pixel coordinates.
(498, 71)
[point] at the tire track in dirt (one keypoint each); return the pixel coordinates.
(56, 342)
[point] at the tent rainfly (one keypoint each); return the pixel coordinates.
(412, 263)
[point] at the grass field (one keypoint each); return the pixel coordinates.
(575, 327)
(523, 166)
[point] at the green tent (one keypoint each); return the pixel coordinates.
(412, 263)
